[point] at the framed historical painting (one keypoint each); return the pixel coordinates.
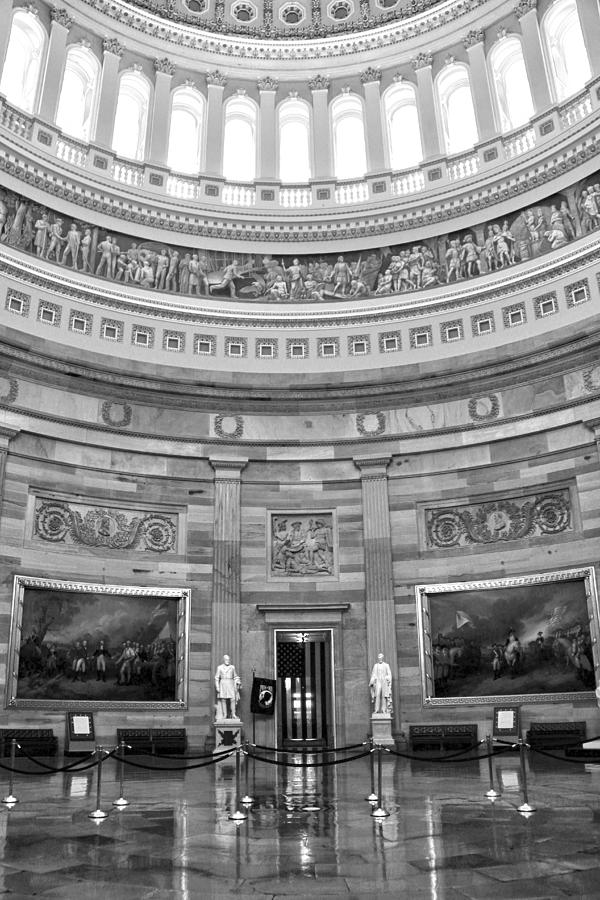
(530, 639)
(76, 645)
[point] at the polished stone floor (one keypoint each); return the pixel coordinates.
(309, 833)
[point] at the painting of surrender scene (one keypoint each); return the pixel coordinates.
(532, 638)
(98, 644)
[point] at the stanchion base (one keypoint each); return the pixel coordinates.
(238, 816)
(10, 800)
(526, 808)
(247, 799)
(120, 803)
(98, 814)
(372, 798)
(380, 813)
(492, 794)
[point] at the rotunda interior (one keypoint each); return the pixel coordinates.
(299, 365)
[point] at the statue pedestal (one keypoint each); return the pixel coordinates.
(228, 734)
(381, 729)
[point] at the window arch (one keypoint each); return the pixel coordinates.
(349, 149)
(511, 84)
(403, 128)
(79, 93)
(456, 108)
(186, 130)
(131, 117)
(239, 139)
(294, 141)
(565, 48)
(25, 53)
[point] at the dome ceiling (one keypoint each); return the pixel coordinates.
(292, 19)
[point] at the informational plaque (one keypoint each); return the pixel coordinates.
(506, 722)
(80, 737)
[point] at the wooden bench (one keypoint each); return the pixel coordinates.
(441, 738)
(169, 741)
(555, 735)
(138, 740)
(34, 741)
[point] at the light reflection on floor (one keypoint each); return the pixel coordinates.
(309, 832)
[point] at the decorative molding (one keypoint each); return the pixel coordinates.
(496, 521)
(370, 75)
(524, 6)
(238, 429)
(61, 17)
(216, 79)
(473, 37)
(267, 83)
(370, 424)
(12, 393)
(84, 524)
(106, 412)
(164, 66)
(319, 83)
(422, 60)
(112, 45)
(492, 412)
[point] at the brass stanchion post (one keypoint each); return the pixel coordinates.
(492, 793)
(121, 802)
(239, 815)
(379, 812)
(372, 798)
(10, 798)
(526, 808)
(98, 813)
(247, 800)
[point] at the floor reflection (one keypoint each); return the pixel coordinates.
(308, 832)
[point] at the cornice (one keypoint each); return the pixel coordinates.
(368, 33)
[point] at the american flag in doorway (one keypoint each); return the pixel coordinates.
(303, 676)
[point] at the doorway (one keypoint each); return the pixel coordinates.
(303, 663)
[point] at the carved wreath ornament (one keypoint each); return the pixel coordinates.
(502, 520)
(56, 522)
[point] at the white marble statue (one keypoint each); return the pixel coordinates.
(381, 686)
(228, 684)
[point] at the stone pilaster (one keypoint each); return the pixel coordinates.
(589, 16)
(430, 130)
(533, 55)
(480, 85)
(6, 11)
(376, 156)
(109, 92)
(379, 583)
(267, 163)
(55, 64)
(6, 436)
(161, 112)
(319, 86)
(226, 560)
(216, 82)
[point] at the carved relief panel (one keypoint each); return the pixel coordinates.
(302, 545)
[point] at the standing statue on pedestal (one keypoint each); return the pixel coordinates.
(228, 684)
(381, 687)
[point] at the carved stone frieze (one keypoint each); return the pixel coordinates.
(302, 545)
(112, 45)
(61, 522)
(164, 66)
(547, 513)
(61, 17)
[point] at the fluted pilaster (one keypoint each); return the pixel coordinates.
(6, 436)
(379, 584)
(226, 559)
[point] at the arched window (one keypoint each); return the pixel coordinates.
(239, 139)
(78, 96)
(565, 49)
(20, 82)
(185, 131)
(456, 108)
(294, 141)
(511, 85)
(403, 128)
(131, 117)
(349, 150)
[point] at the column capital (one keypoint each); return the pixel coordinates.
(372, 466)
(267, 84)
(6, 436)
(473, 37)
(371, 75)
(216, 79)
(319, 83)
(61, 17)
(593, 425)
(525, 6)
(164, 66)
(422, 61)
(228, 468)
(112, 45)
